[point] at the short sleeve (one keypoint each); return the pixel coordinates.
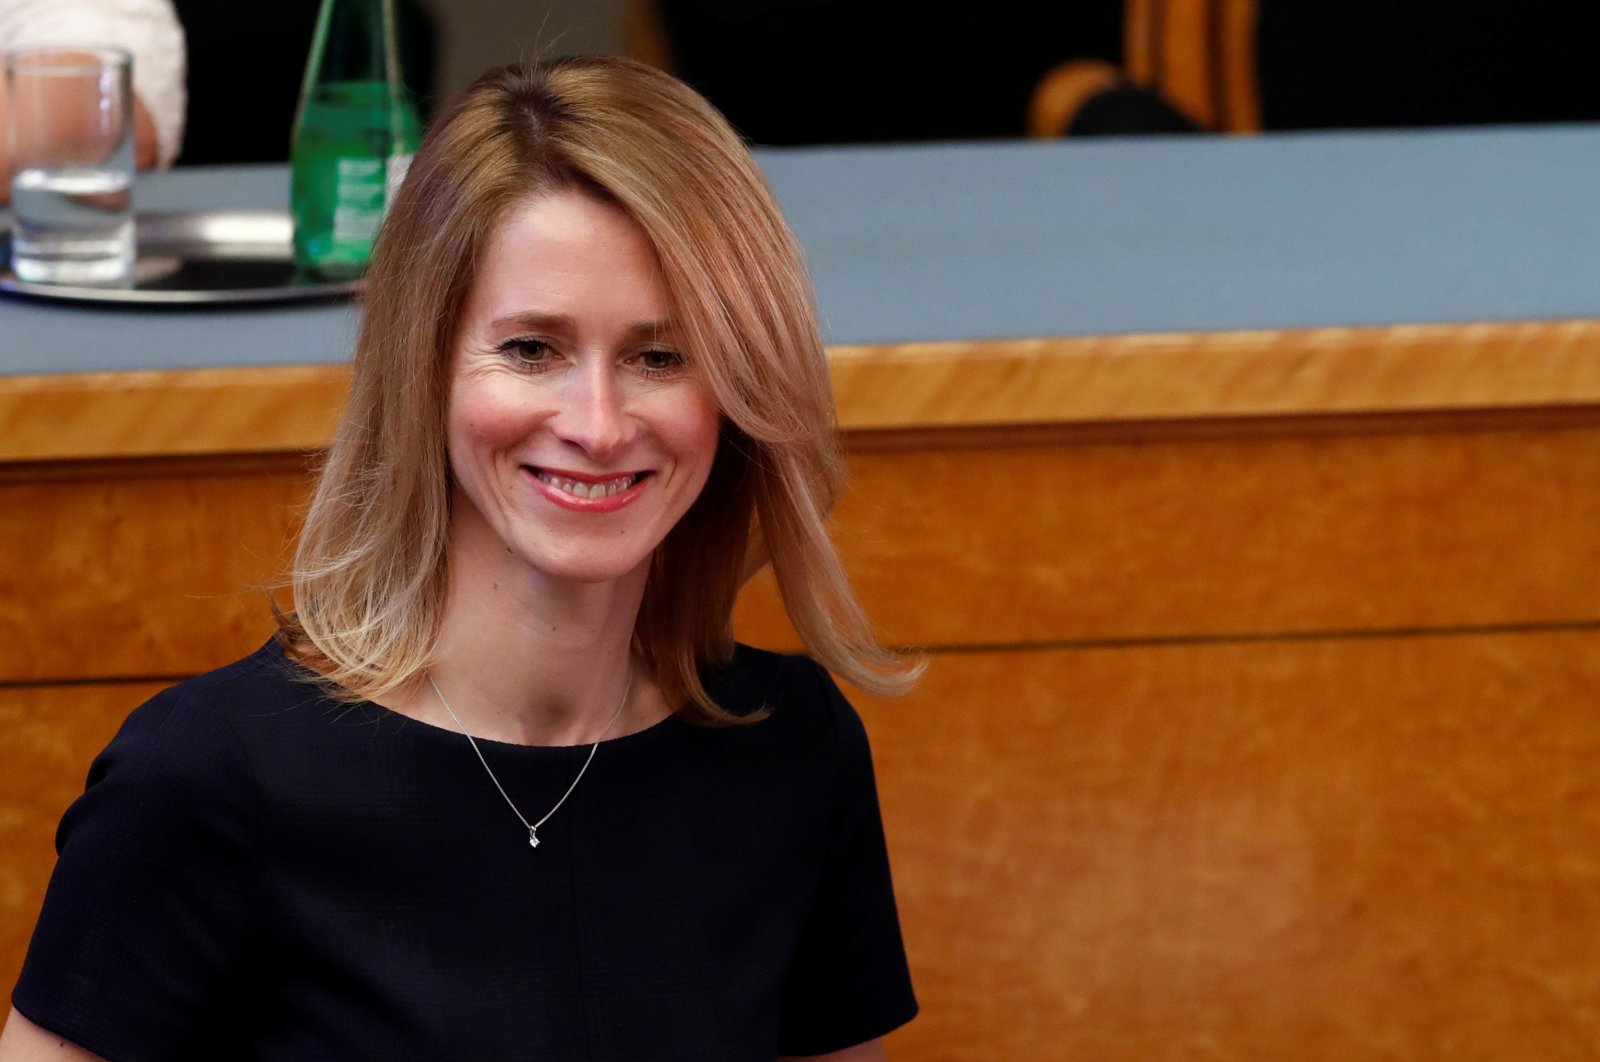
(849, 982)
(145, 915)
(147, 28)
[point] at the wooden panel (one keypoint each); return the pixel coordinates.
(1088, 380)
(194, 411)
(1219, 537)
(132, 577)
(1360, 848)
(128, 576)
(1223, 374)
(48, 735)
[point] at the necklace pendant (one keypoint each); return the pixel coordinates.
(533, 830)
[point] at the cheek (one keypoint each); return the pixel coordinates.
(697, 428)
(480, 422)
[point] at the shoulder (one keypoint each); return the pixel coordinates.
(158, 875)
(754, 678)
(264, 681)
(800, 697)
(183, 770)
(198, 729)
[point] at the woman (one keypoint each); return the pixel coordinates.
(503, 787)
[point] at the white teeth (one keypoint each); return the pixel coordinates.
(588, 490)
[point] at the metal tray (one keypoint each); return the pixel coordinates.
(210, 257)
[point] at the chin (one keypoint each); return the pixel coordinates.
(586, 568)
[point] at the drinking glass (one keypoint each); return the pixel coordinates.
(72, 155)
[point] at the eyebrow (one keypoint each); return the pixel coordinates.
(560, 322)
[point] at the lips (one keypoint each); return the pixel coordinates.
(586, 493)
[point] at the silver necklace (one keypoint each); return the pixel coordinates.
(533, 827)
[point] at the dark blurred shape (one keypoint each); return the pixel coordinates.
(1092, 97)
(850, 71)
(1247, 65)
(840, 71)
(1376, 63)
(1128, 111)
(246, 63)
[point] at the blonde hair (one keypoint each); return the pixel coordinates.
(371, 571)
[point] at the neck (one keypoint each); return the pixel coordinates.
(531, 660)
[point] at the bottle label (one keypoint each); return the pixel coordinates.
(360, 191)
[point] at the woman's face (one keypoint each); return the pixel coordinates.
(579, 431)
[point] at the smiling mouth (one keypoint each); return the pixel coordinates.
(589, 489)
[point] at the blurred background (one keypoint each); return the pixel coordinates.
(854, 71)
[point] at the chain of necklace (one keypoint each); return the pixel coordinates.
(533, 827)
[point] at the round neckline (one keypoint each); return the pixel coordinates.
(402, 720)
(461, 735)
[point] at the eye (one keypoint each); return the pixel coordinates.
(524, 352)
(660, 361)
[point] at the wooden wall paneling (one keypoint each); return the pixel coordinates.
(124, 575)
(1167, 538)
(1376, 848)
(1216, 375)
(48, 736)
(181, 412)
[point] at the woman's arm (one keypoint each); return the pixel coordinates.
(23, 1041)
(871, 1051)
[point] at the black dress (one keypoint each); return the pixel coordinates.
(257, 872)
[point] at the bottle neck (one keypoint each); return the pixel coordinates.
(355, 41)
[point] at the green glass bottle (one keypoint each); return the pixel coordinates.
(354, 136)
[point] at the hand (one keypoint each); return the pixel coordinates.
(145, 146)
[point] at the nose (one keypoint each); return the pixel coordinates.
(595, 417)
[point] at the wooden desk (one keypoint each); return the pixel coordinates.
(1258, 717)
